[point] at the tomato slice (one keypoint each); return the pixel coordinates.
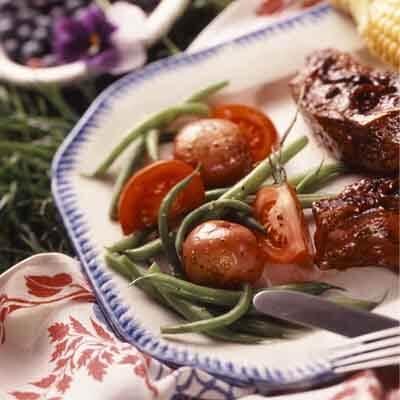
(142, 195)
(258, 129)
(287, 240)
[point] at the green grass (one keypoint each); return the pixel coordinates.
(32, 126)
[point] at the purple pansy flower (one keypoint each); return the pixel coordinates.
(104, 40)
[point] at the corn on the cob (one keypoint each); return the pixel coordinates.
(378, 22)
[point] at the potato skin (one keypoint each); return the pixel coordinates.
(219, 147)
(222, 254)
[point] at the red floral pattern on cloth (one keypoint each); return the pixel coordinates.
(59, 287)
(81, 358)
(90, 348)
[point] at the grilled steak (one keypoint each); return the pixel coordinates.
(360, 227)
(353, 109)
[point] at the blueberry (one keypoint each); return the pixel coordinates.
(24, 32)
(72, 6)
(57, 12)
(53, 3)
(40, 33)
(43, 21)
(11, 46)
(38, 4)
(7, 5)
(30, 49)
(6, 27)
(24, 6)
(49, 60)
(26, 15)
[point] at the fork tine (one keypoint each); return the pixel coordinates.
(381, 334)
(363, 348)
(372, 355)
(371, 364)
(369, 337)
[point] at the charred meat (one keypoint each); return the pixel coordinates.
(360, 227)
(354, 110)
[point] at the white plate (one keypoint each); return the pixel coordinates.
(237, 19)
(258, 66)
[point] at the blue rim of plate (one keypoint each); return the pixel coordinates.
(313, 373)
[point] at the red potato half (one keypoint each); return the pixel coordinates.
(218, 146)
(222, 254)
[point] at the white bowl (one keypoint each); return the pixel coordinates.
(157, 25)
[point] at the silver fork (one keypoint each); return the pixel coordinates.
(372, 350)
(376, 349)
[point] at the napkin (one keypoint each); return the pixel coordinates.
(55, 344)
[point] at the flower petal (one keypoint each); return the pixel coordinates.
(71, 40)
(96, 22)
(130, 21)
(104, 61)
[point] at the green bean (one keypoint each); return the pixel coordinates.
(355, 303)
(306, 200)
(114, 262)
(274, 329)
(192, 312)
(213, 209)
(214, 194)
(151, 289)
(252, 181)
(128, 242)
(126, 172)
(203, 94)
(151, 139)
(326, 172)
(158, 120)
(191, 291)
(314, 287)
(130, 270)
(309, 179)
(146, 251)
(223, 297)
(262, 327)
(219, 321)
(163, 230)
(248, 222)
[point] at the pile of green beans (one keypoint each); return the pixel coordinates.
(196, 304)
(221, 314)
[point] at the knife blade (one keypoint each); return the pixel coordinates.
(317, 312)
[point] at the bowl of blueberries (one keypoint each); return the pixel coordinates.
(61, 41)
